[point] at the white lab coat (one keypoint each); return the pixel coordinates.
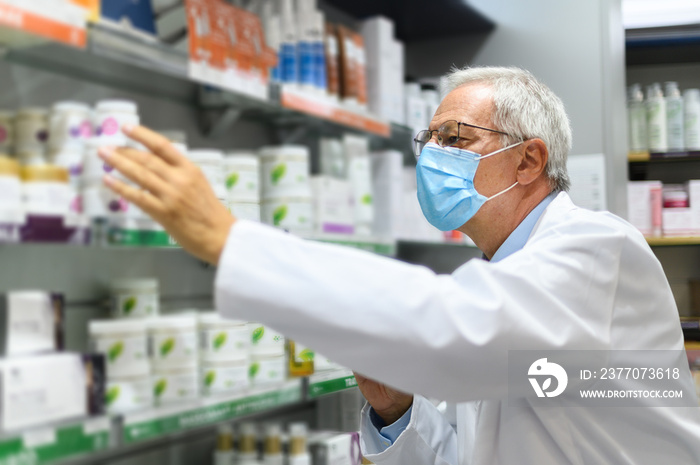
(584, 280)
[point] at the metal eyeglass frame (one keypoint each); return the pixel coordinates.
(418, 144)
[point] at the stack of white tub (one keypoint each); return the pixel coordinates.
(211, 162)
(225, 354)
(267, 356)
(286, 188)
(242, 180)
(11, 211)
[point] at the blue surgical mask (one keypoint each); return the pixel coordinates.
(446, 191)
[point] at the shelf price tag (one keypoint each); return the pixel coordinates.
(322, 384)
(65, 24)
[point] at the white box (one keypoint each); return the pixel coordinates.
(360, 176)
(387, 186)
(398, 102)
(416, 114)
(333, 209)
(694, 199)
(33, 322)
(42, 389)
(677, 222)
(644, 202)
(378, 35)
(328, 448)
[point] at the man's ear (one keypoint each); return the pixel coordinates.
(534, 161)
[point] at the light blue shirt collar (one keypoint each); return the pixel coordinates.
(521, 234)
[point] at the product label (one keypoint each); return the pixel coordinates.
(217, 379)
(265, 340)
(306, 65)
(109, 126)
(124, 396)
(288, 215)
(265, 371)
(174, 387)
(288, 61)
(319, 54)
(243, 185)
(173, 348)
(135, 305)
(124, 356)
(225, 344)
(285, 178)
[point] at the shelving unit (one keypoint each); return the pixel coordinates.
(671, 241)
(324, 383)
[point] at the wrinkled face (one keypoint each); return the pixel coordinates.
(473, 104)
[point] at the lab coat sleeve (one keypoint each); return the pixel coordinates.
(442, 336)
(428, 439)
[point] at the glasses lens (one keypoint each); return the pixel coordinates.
(419, 142)
(448, 134)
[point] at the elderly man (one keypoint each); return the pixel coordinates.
(493, 165)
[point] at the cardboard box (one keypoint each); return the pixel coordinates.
(693, 187)
(33, 322)
(677, 222)
(41, 389)
(333, 209)
(136, 13)
(644, 204)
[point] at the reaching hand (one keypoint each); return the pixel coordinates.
(390, 404)
(174, 192)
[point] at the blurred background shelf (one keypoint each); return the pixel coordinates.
(670, 241)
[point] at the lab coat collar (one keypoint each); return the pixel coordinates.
(521, 234)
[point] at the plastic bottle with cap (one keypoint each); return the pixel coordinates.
(224, 455)
(691, 111)
(272, 449)
(674, 117)
(298, 446)
(637, 120)
(247, 445)
(656, 119)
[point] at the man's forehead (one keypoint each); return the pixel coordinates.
(471, 103)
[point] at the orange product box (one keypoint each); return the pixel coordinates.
(91, 6)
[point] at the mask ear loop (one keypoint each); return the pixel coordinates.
(500, 150)
(502, 192)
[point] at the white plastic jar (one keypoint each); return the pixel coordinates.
(242, 177)
(111, 116)
(7, 131)
(292, 213)
(135, 297)
(224, 377)
(71, 158)
(245, 211)
(174, 341)
(267, 370)
(210, 161)
(10, 184)
(129, 394)
(223, 339)
(265, 340)
(285, 171)
(175, 385)
(31, 129)
(46, 191)
(125, 345)
(69, 124)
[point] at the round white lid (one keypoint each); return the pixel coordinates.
(130, 284)
(172, 322)
(213, 318)
(694, 93)
(120, 106)
(284, 151)
(105, 327)
(247, 429)
(205, 155)
(273, 430)
(675, 195)
(241, 159)
(298, 429)
(68, 105)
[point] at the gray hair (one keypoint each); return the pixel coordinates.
(526, 109)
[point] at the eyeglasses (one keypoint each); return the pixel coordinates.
(447, 135)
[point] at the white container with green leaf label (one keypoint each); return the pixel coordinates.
(175, 385)
(174, 341)
(284, 171)
(125, 345)
(267, 370)
(223, 339)
(224, 377)
(292, 213)
(242, 177)
(245, 211)
(128, 394)
(134, 297)
(265, 340)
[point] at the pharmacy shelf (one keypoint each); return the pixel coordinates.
(157, 422)
(669, 157)
(662, 45)
(138, 63)
(673, 241)
(50, 444)
(370, 244)
(324, 383)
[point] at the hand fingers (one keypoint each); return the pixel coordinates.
(148, 161)
(156, 143)
(134, 172)
(142, 199)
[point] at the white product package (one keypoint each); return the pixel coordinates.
(387, 186)
(644, 201)
(42, 389)
(333, 209)
(360, 177)
(32, 321)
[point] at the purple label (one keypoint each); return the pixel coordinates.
(86, 129)
(77, 205)
(106, 168)
(75, 170)
(120, 205)
(110, 127)
(338, 228)
(74, 132)
(42, 135)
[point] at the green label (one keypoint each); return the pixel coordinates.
(140, 238)
(331, 386)
(210, 415)
(69, 441)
